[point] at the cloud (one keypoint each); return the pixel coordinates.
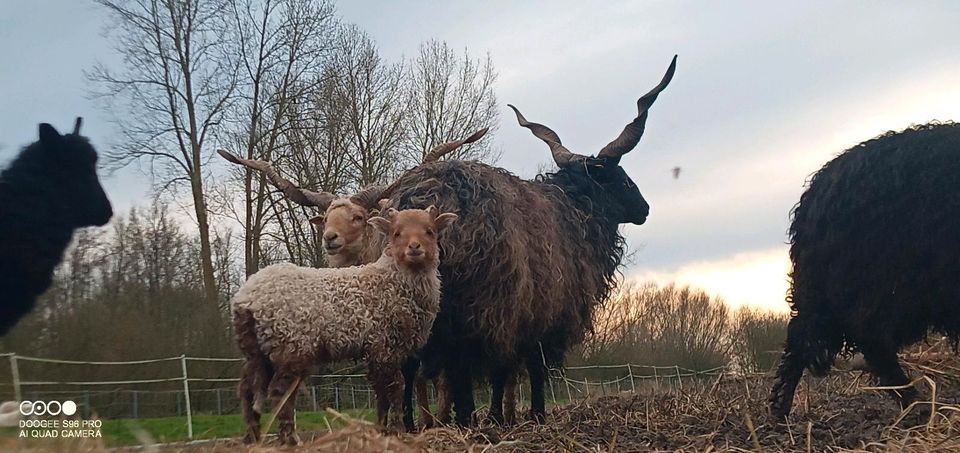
(754, 278)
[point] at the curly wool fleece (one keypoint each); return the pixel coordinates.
(378, 312)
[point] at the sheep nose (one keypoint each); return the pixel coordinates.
(330, 236)
(414, 246)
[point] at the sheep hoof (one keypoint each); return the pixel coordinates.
(537, 417)
(291, 439)
(251, 438)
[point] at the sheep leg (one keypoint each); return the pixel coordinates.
(381, 390)
(388, 384)
(785, 386)
(255, 374)
(790, 370)
(538, 374)
(498, 379)
(460, 385)
(247, 391)
(423, 403)
(443, 399)
(395, 395)
(285, 381)
(885, 366)
(510, 399)
(410, 368)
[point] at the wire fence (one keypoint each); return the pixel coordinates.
(188, 386)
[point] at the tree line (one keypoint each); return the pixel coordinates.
(290, 82)
(280, 80)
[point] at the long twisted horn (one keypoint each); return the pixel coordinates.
(440, 150)
(631, 134)
(561, 155)
(300, 196)
(371, 196)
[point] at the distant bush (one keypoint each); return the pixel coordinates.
(649, 325)
(758, 338)
(665, 326)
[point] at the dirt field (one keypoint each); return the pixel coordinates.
(838, 413)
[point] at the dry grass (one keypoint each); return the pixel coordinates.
(840, 413)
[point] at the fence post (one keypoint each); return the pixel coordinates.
(336, 396)
(656, 377)
(219, 403)
(633, 385)
(186, 395)
(679, 379)
(136, 410)
(552, 392)
(313, 397)
(15, 374)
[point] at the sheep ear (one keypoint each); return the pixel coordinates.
(391, 213)
(382, 204)
(381, 224)
(444, 220)
(49, 135)
(433, 211)
(318, 220)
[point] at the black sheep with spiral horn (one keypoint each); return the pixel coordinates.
(528, 262)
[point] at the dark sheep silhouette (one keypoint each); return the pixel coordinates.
(875, 242)
(50, 190)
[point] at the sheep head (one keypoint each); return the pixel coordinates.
(343, 226)
(604, 169)
(413, 235)
(68, 165)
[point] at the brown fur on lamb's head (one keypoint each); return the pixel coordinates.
(413, 236)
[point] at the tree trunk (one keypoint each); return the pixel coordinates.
(206, 255)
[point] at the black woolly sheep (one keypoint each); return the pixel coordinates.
(528, 262)
(875, 241)
(48, 191)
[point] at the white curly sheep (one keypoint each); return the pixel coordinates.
(289, 318)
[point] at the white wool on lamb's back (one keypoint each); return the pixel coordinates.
(332, 314)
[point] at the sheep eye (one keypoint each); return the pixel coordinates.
(357, 218)
(430, 232)
(396, 235)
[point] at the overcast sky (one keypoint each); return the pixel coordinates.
(763, 95)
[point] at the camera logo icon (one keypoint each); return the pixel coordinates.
(53, 408)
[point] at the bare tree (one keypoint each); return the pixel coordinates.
(282, 45)
(449, 96)
(176, 83)
(369, 93)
